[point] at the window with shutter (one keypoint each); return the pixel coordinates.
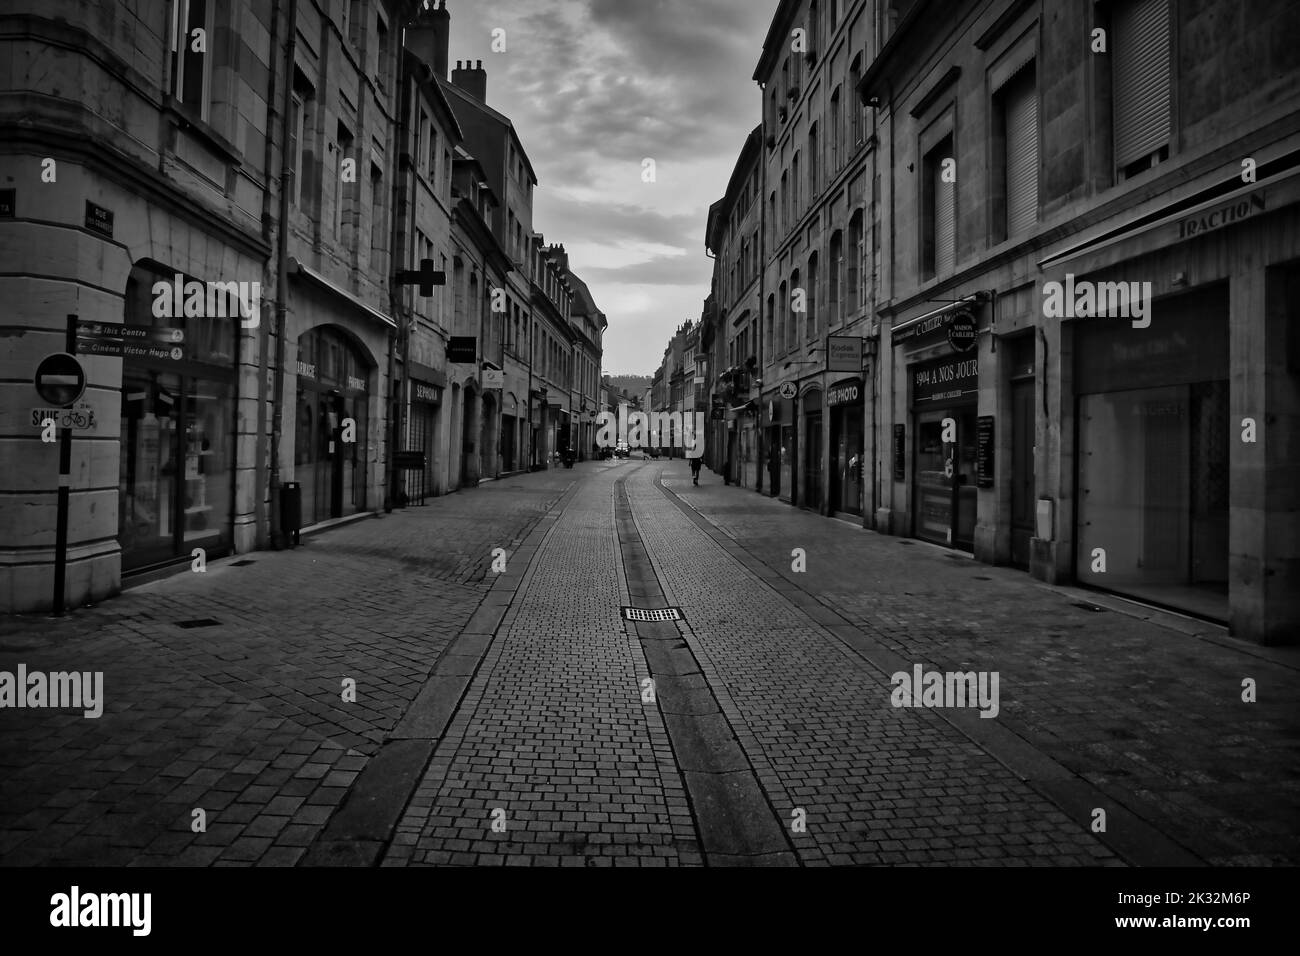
(1021, 117)
(945, 220)
(1142, 76)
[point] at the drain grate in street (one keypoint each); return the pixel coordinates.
(199, 622)
(652, 614)
(242, 564)
(1089, 607)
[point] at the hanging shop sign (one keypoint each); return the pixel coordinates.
(462, 350)
(494, 378)
(844, 353)
(788, 390)
(962, 332)
(900, 452)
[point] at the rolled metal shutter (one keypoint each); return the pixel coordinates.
(1143, 54)
(1022, 154)
(945, 222)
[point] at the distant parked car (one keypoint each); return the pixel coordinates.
(621, 449)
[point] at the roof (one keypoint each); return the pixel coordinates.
(474, 102)
(778, 35)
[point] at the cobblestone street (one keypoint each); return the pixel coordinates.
(514, 717)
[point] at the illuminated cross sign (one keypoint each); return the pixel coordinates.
(425, 277)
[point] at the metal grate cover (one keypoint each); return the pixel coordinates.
(652, 614)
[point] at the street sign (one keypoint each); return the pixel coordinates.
(83, 416)
(788, 390)
(60, 379)
(113, 340)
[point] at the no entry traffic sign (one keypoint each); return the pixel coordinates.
(60, 379)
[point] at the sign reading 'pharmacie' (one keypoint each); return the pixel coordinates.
(945, 382)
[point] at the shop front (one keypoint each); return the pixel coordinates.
(177, 461)
(1153, 453)
(844, 400)
(509, 432)
(332, 429)
(427, 386)
(943, 411)
(780, 413)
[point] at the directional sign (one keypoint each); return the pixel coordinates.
(60, 379)
(111, 339)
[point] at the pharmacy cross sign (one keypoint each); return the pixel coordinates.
(425, 277)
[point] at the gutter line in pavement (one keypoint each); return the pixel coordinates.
(735, 822)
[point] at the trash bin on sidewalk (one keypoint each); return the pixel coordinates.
(291, 509)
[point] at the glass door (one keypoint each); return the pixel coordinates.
(147, 500)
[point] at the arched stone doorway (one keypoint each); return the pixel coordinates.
(332, 423)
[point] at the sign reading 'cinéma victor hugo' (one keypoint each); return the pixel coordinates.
(945, 381)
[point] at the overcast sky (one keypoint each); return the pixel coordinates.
(593, 88)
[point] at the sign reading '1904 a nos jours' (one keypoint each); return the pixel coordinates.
(946, 381)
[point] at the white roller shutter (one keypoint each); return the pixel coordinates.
(1021, 106)
(945, 222)
(1143, 54)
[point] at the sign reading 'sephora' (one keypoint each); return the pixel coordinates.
(652, 430)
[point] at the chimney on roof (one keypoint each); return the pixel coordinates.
(471, 79)
(429, 36)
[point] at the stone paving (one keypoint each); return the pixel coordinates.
(244, 719)
(876, 784)
(553, 741)
(1146, 706)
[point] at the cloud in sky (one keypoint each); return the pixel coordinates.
(593, 88)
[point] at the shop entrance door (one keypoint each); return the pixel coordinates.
(812, 489)
(945, 489)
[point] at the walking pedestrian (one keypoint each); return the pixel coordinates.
(695, 469)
